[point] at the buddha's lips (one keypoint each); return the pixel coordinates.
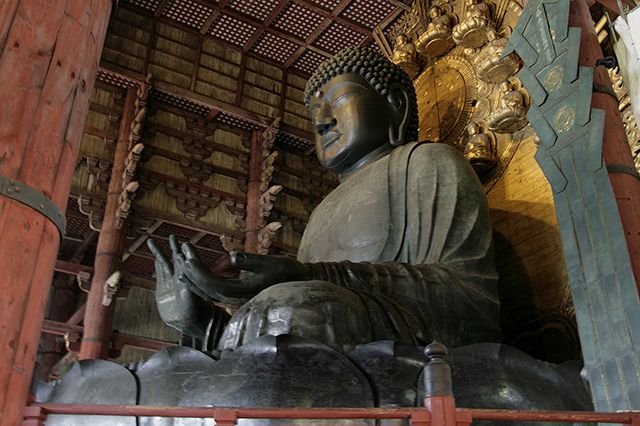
(330, 138)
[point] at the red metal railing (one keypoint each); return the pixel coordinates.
(438, 411)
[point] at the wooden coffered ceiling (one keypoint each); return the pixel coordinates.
(294, 34)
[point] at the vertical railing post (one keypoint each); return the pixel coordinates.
(225, 417)
(34, 415)
(437, 386)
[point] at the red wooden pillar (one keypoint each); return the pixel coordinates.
(253, 219)
(616, 151)
(62, 306)
(98, 318)
(49, 54)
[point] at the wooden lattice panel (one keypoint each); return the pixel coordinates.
(308, 61)
(115, 79)
(141, 265)
(187, 12)
(182, 233)
(297, 21)
(368, 13)
(151, 5)
(238, 123)
(336, 37)
(329, 5)
(293, 142)
(232, 30)
(211, 241)
(181, 103)
(274, 47)
(258, 9)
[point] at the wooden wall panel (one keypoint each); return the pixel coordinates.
(537, 311)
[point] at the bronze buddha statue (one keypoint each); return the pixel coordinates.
(400, 253)
(426, 271)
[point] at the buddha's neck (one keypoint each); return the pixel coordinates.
(371, 157)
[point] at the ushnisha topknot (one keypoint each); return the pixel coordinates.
(375, 68)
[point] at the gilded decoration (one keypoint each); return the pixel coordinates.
(437, 39)
(481, 149)
(468, 94)
(626, 112)
(490, 65)
(473, 28)
(511, 113)
(446, 97)
(405, 56)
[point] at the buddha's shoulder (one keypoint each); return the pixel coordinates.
(433, 152)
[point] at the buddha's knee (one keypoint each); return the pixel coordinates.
(317, 310)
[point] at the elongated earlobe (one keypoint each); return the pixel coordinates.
(399, 100)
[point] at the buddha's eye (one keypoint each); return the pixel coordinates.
(343, 97)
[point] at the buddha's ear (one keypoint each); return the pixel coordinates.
(398, 98)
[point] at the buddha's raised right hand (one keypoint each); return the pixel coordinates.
(178, 305)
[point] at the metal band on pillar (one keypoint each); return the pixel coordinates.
(29, 196)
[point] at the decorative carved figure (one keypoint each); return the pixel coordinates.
(405, 56)
(480, 150)
(472, 30)
(436, 40)
(510, 116)
(490, 66)
(266, 235)
(267, 200)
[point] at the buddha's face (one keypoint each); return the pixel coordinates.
(350, 119)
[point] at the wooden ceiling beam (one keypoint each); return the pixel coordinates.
(120, 339)
(77, 316)
(141, 239)
(272, 16)
(341, 6)
(259, 25)
(132, 279)
(320, 11)
(161, 7)
(207, 102)
(323, 26)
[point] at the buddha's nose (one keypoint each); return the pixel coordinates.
(324, 124)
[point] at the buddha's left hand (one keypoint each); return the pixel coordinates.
(263, 271)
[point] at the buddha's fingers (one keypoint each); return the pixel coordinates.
(161, 259)
(252, 262)
(189, 251)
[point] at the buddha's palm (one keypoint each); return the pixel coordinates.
(178, 305)
(184, 283)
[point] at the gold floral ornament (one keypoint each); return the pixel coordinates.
(472, 29)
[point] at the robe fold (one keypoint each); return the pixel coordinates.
(410, 237)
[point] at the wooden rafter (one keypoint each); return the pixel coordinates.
(256, 35)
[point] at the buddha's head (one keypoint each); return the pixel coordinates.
(401, 39)
(435, 12)
(361, 106)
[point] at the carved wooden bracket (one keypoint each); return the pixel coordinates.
(99, 174)
(196, 143)
(93, 209)
(129, 186)
(265, 236)
(267, 200)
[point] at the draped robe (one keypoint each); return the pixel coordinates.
(400, 250)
